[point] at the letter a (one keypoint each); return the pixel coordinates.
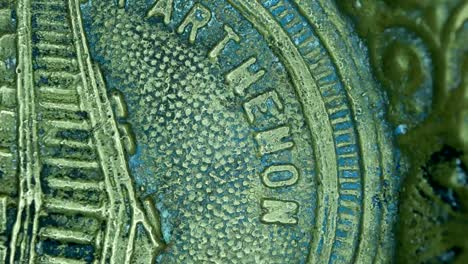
(162, 8)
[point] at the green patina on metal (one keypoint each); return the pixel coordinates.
(418, 46)
(239, 131)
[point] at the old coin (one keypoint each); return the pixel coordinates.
(179, 131)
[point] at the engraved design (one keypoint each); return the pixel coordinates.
(319, 76)
(418, 51)
(8, 115)
(193, 123)
(346, 221)
(414, 48)
(76, 202)
(289, 163)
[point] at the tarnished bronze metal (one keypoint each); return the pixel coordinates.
(237, 131)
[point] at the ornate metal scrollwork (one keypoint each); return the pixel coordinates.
(419, 53)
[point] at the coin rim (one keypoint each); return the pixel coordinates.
(376, 244)
(377, 166)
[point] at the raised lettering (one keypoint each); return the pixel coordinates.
(128, 138)
(120, 106)
(198, 16)
(279, 212)
(290, 171)
(261, 104)
(231, 35)
(241, 78)
(271, 141)
(162, 8)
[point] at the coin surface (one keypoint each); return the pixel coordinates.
(179, 131)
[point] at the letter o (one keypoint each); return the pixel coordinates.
(266, 176)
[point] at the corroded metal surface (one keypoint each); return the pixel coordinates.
(179, 131)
